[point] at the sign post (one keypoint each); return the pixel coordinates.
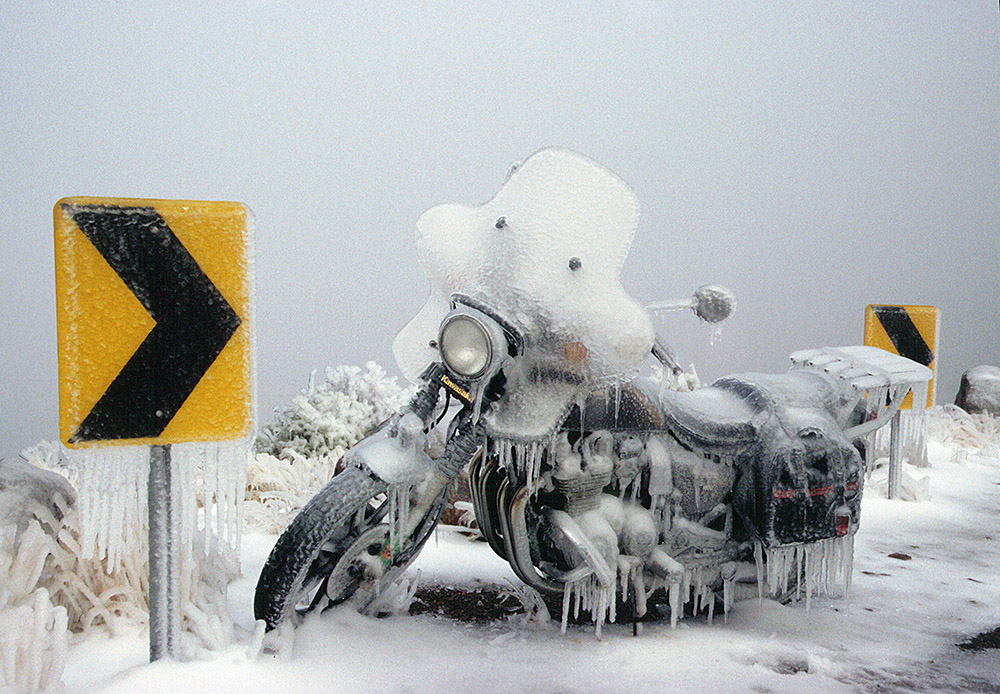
(911, 332)
(164, 582)
(153, 309)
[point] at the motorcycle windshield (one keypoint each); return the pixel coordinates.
(546, 254)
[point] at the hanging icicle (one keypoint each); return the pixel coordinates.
(817, 567)
(524, 459)
(399, 512)
(589, 595)
(102, 560)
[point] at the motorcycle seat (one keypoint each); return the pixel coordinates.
(709, 416)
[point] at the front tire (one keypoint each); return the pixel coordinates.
(294, 579)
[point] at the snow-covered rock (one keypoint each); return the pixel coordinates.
(979, 391)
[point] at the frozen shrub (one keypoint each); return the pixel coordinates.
(33, 630)
(325, 419)
(951, 425)
(277, 488)
(82, 561)
(297, 452)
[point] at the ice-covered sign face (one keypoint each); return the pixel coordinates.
(546, 254)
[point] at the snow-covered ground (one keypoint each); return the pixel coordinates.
(896, 631)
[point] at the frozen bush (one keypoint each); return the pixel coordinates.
(978, 433)
(277, 488)
(297, 452)
(325, 419)
(85, 564)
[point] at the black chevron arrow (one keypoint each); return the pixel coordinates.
(193, 321)
(904, 334)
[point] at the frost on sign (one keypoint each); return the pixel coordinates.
(153, 302)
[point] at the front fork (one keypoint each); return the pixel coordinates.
(411, 430)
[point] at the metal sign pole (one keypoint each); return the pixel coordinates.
(895, 456)
(164, 578)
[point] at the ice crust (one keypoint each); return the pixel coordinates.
(621, 544)
(546, 254)
(33, 631)
(88, 566)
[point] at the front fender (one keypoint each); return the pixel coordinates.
(387, 458)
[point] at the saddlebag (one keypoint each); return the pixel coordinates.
(802, 481)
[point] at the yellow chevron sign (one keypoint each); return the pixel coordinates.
(909, 331)
(153, 315)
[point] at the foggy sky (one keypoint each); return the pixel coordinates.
(815, 157)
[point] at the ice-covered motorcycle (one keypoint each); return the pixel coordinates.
(600, 488)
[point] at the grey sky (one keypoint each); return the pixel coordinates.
(815, 157)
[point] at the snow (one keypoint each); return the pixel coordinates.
(895, 632)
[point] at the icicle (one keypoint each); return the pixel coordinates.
(675, 603)
(758, 557)
(588, 594)
(727, 596)
(700, 590)
(638, 580)
(848, 562)
(534, 462)
(716, 337)
(112, 490)
(399, 513)
(567, 595)
(618, 399)
(393, 519)
(405, 515)
(808, 552)
(798, 571)
(478, 406)
(870, 442)
(817, 566)
(400, 519)
(607, 605)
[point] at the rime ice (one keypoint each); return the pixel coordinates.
(545, 253)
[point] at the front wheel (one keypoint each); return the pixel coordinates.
(336, 545)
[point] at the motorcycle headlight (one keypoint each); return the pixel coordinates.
(466, 345)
